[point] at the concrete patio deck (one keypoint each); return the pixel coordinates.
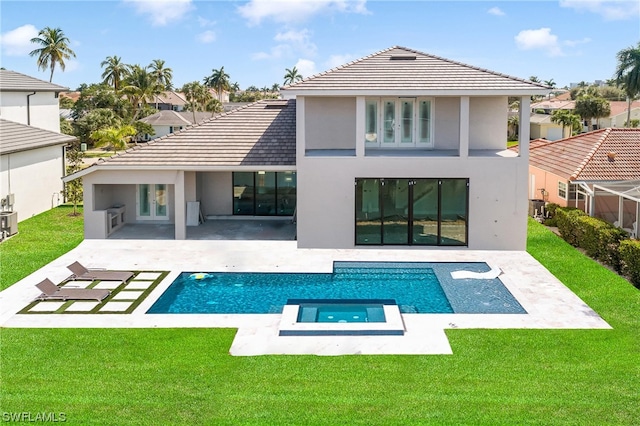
(549, 304)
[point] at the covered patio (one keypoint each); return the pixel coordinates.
(619, 203)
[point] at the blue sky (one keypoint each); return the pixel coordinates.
(567, 41)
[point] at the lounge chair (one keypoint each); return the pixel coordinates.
(50, 291)
(489, 275)
(82, 273)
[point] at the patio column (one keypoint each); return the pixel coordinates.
(180, 215)
(524, 132)
(463, 150)
(360, 125)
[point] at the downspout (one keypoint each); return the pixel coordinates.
(29, 109)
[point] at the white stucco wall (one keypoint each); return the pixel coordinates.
(34, 177)
(446, 123)
(215, 192)
(497, 205)
(488, 123)
(44, 109)
(331, 123)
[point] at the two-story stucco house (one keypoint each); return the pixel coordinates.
(32, 158)
(399, 148)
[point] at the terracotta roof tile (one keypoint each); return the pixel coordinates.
(610, 154)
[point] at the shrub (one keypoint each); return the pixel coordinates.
(550, 210)
(601, 240)
(567, 220)
(630, 259)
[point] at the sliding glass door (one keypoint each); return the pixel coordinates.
(411, 211)
(264, 193)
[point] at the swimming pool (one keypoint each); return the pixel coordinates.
(417, 287)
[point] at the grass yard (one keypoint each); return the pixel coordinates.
(40, 240)
(494, 377)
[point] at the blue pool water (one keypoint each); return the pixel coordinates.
(339, 311)
(415, 287)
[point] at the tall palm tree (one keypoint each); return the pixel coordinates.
(219, 80)
(163, 76)
(628, 74)
(114, 71)
(140, 87)
(291, 76)
(198, 97)
(54, 49)
(275, 87)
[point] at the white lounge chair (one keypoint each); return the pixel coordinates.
(489, 275)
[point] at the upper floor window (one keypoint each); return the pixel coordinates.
(398, 122)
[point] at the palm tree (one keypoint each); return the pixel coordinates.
(162, 75)
(116, 137)
(275, 87)
(534, 79)
(114, 71)
(54, 49)
(140, 87)
(198, 97)
(628, 74)
(219, 80)
(550, 83)
(566, 119)
(291, 76)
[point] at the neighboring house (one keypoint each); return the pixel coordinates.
(169, 101)
(31, 168)
(618, 116)
(167, 121)
(399, 148)
(543, 128)
(30, 101)
(584, 171)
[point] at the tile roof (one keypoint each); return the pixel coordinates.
(175, 118)
(554, 104)
(620, 107)
(610, 154)
(11, 81)
(170, 97)
(17, 137)
(259, 134)
(402, 69)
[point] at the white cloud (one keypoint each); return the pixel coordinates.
(496, 11)
(17, 42)
(206, 37)
(161, 12)
(290, 43)
(611, 10)
(540, 39)
(288, 11)
(574, 43)
(306, 67)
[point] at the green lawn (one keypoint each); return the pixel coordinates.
(494, 377)
(40, 240)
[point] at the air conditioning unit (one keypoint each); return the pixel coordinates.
(9, 223)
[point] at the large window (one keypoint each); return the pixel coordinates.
(398, 122)
(412, 211)
(264, 193)
(562, 190)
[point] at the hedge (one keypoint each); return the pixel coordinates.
(630, 259)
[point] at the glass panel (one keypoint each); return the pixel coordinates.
(371, 122)
(286, 193)
(425, 212)
(424, 122)
(395, 207)
(389, 122)
(407, 122)
(368, 219)
(453, 213)
(144, 203)
(266, 194)
(161, 200)
(243, 193)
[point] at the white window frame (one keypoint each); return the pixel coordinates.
(377, 140)
(563, 187)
